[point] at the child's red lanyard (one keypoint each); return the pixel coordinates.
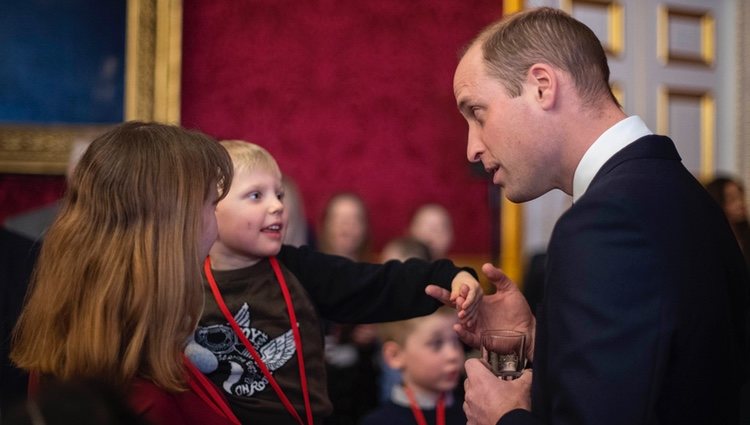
(419, 416)
(254, 353)
(206, 390)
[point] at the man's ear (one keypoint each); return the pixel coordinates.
(393, 355)
(542, 81)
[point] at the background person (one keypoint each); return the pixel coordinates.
(427, 352)
(401, 249)
(432, 225)
(344, 227)
(730, 195)
(350, 349)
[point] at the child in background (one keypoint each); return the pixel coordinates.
(430, 357)
(350, 349)
(432, 225)
(401, 249)
(345, 229)
(117, 288)
(404, 248)
(263, 308)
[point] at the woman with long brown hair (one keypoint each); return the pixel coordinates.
(117, 288)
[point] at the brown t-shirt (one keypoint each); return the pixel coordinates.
(255, 299)
(321, 285)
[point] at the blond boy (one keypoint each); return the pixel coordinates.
(251, 227)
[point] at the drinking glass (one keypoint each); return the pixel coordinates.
(504, 352)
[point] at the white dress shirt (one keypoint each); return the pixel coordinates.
(605, 147)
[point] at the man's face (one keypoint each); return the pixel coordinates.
(506, 134)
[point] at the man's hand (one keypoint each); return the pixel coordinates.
(505, 309)
(488, 397)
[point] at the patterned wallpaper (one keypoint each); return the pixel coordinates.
(347, 96)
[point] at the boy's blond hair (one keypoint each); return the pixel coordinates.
(249, 156)
(400, 331)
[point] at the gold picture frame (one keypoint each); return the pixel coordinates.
(702, 21)
(614, 15)
(152, 92)
(707, 107)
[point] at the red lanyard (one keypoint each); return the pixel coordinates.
(419, 416)
(206, 391)
(254, 353)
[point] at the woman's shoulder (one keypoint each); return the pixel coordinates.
(161, 407)
(153, 403)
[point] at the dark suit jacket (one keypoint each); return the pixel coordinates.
(645, 300)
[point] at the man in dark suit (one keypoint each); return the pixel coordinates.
(645, 299)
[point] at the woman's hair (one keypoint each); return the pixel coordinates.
(546, 35)
(117, 287)
(715, 188)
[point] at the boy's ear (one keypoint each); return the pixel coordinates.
(393, 355)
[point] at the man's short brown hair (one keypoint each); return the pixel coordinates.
(546, 35)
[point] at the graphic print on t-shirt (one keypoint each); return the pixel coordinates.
(244, 377)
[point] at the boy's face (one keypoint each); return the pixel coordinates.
(250, 218)
(432, 357)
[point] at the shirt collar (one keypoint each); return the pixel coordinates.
(605, 147)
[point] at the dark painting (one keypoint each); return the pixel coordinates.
(62, 61)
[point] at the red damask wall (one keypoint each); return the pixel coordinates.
(20, 192)
(347, 95)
